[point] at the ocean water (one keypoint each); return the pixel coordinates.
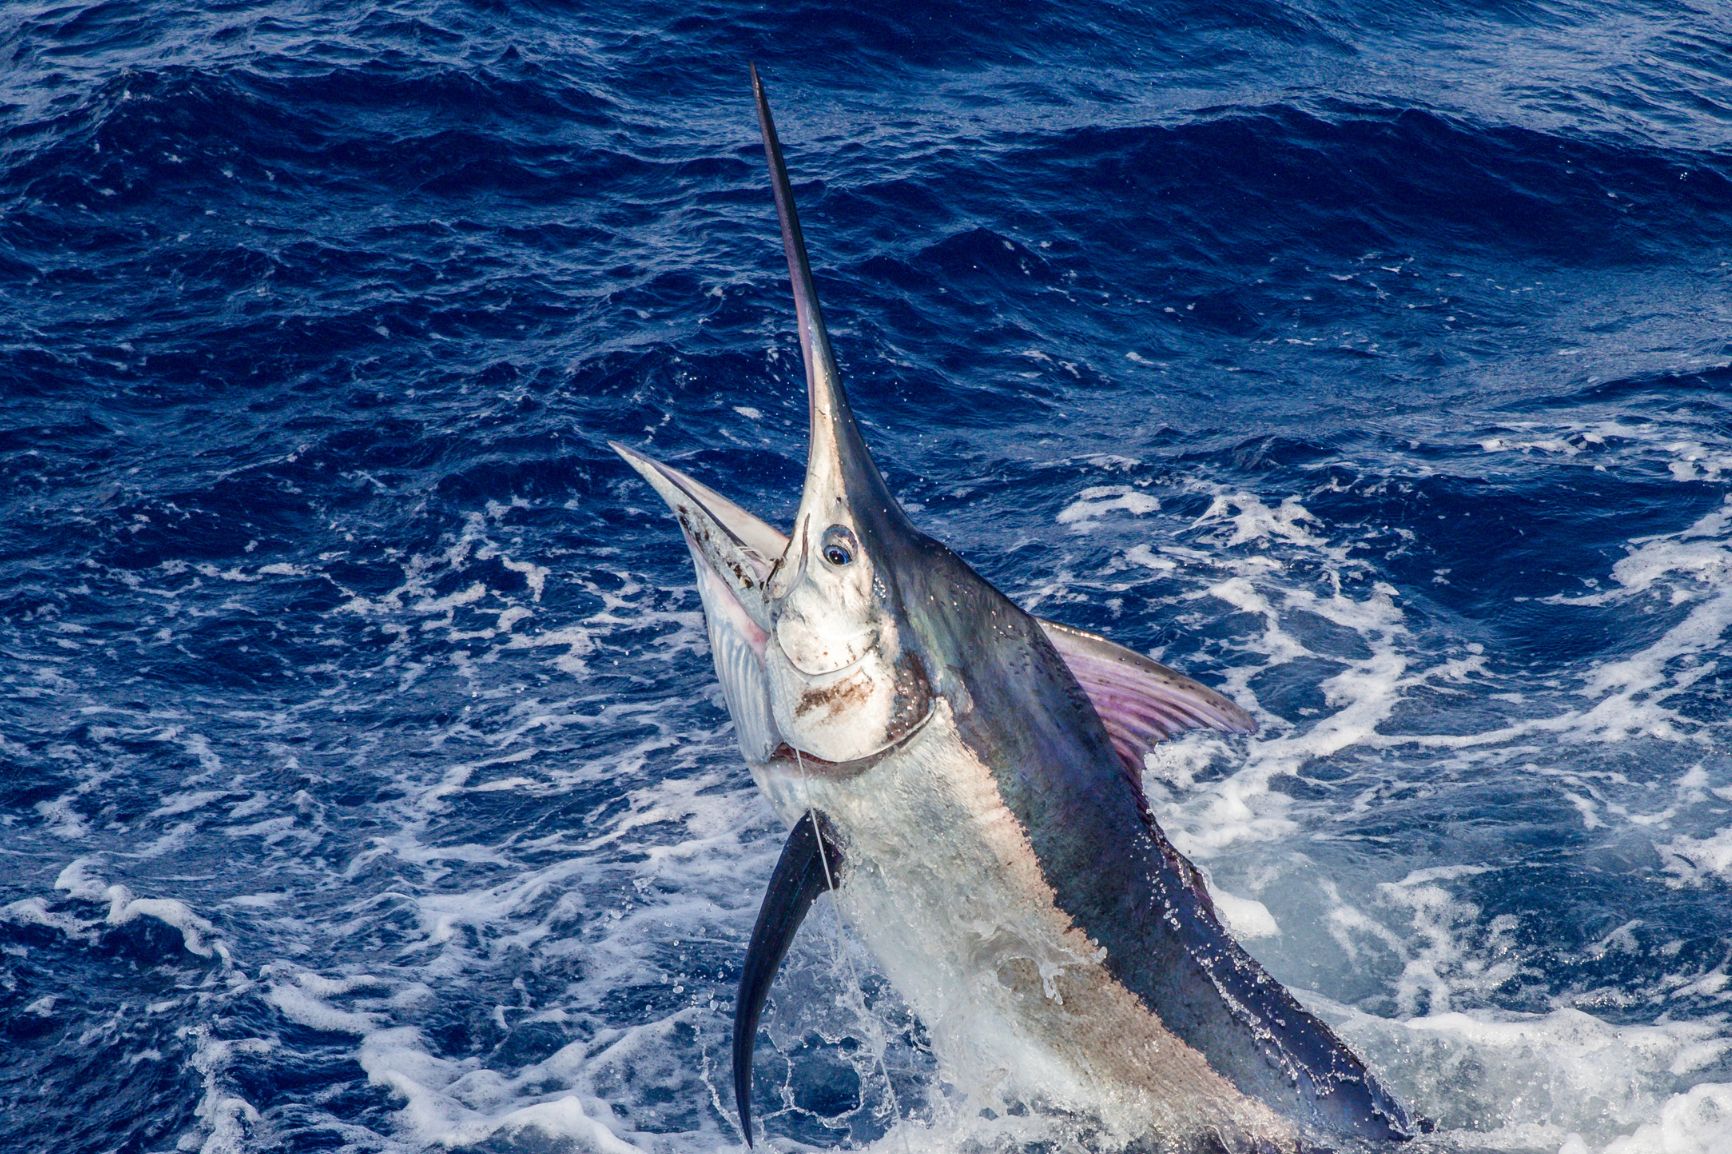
(364, 784)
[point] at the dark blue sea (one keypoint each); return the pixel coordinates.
(364, 782)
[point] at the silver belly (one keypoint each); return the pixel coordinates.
(943, 886)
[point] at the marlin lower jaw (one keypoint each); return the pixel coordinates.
(733, 550)
(720, 598)
(787, 758)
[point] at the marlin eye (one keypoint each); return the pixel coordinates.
(838, 546)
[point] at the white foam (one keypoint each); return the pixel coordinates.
(299, 1004)
(474, 611)
(228, 1118)
(188, 802)
(1699, 860)
(461, 1104)
(1696, 1121)
(1248, 918)
(194, 930)
(1362, 694)
(577, 642)
(535, 576)
(198, 935)
(35, 912)
(1449, 952)
(1098, 501)
(1544, 1081)
(1252, 520)
(63, 820)
(442, 606)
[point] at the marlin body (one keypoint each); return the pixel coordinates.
(964, 779)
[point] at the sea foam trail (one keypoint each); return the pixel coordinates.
(1559, 1078)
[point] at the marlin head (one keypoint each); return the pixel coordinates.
(817, 659)
(807, 629)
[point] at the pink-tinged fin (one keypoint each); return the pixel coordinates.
(1140, 701)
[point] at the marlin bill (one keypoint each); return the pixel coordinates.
(964, 779)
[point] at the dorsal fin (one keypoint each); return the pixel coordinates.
(1140, 701)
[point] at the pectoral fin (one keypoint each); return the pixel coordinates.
(811, 862)
(1140, 700)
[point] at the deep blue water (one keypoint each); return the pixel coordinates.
(363, 781)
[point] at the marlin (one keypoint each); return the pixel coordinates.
(964, 779)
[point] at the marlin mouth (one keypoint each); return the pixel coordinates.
(734, 546)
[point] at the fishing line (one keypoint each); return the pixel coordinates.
(841, 955)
